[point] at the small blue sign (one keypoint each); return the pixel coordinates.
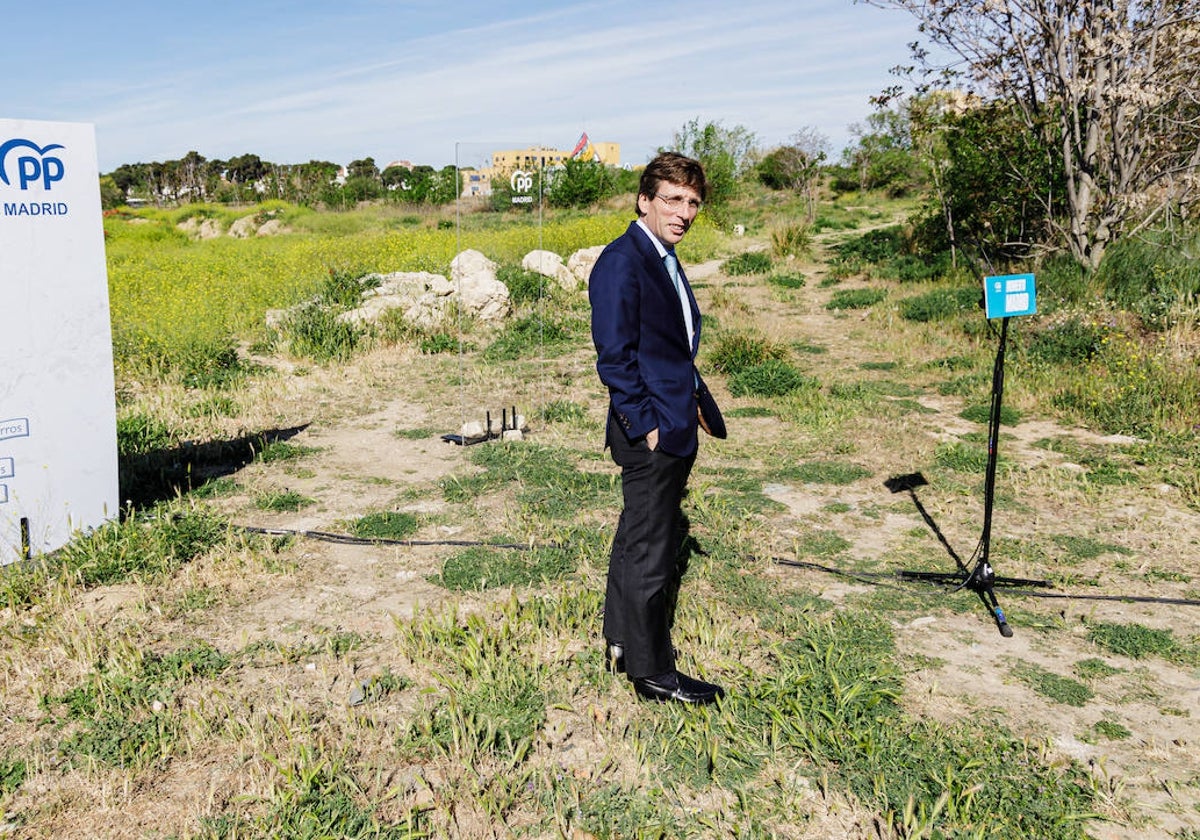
(1009, 294)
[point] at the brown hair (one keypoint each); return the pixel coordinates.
(672, 168)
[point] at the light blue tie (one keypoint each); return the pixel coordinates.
(672, 268)
(672, 263)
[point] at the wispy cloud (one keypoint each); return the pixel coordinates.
(392, 80)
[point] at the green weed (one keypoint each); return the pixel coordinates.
(823, 472)
(523, 286)
(480, 567)
(12, 774)
(315, 796)
(533, 336)
(1133, 640)
(1086, 548)
(749, 262)
(1094, 669)
(772, 378)
(855, 298)
(734, 352)
(789, 280)
(271, 452)
(439, 342)
(563, 411)
(983, 414)
(415, 434)
(315, 332)
(940, 303)
(547, 481)
(385, 525)
(1057, 688)
(120, 711)
(282, 501)
(146, 544)
(1112, 730)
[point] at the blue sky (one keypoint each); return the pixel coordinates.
(434, 81)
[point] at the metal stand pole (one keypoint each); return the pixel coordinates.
(982, 579)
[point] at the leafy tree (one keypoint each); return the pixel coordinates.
(364, 168)
(796, 167)
(193, 176)
(580, 183)
(110, 194)
(393, 177)
(245, 169)
(444, 186)
(882, 157)
(1107, 85)
(724, 152)
(994, 189)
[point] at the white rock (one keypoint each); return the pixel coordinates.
(583, 261)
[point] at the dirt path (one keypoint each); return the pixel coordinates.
(958, 665)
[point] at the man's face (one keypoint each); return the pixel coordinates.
(670, 211)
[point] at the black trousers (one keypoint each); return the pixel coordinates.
(642, 571)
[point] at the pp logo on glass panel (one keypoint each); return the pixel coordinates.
(24, 163)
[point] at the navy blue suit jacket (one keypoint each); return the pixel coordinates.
(642, 351)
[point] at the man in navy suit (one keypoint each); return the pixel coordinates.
(646, 328)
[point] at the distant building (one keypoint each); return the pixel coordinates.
(478, 182)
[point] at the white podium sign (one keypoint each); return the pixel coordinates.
(58, 426)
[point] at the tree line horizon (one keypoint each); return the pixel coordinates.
(1058, 128)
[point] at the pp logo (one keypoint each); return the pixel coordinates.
(521, 182)
(38, 167)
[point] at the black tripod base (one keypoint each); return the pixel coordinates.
(982, 581)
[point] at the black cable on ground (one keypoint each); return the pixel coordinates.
(871, 578)
(882, 579)
(346, 539)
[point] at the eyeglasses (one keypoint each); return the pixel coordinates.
(677, 202)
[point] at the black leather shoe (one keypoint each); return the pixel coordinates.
(678, 687)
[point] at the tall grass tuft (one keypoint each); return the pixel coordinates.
(791, 240)
(733, 352)
(314, 331)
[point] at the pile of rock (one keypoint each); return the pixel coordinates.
(424, 298)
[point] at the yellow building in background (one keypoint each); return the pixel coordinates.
(536, 158)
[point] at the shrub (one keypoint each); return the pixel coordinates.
(750, 262)
(912, 268)
(1151, 276)
(1068, 342)
(874, 246)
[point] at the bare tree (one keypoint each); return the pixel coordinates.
(1108, 85)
